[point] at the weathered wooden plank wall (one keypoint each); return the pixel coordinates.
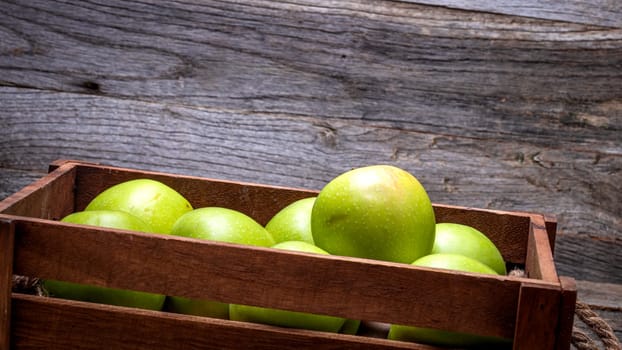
(514, 106)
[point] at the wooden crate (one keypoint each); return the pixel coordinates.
(537, 312)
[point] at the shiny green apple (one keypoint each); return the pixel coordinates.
(152, 201)
(215, 224)
(379, 212)
(441, 337)
(466, 240)
(112, 296)
(285, 318)
(293, 223)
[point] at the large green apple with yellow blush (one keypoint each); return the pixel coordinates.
(215, 224)
(112, 296)
(466, 240)
(152, 201)
(447, 338)
(286, 318)
(379, 212)
(293, 223)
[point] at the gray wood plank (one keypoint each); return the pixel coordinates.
(391, 64)
(606, 13)
(279, 149)
(11, 180)
(602, 295)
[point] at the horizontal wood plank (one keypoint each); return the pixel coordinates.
(589, 252)
(308, 152)
(602, 296)
(50, 197)
(420, 68)
(12, 180)
(596, 12)
(96, 326)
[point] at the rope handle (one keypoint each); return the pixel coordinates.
(598, 325)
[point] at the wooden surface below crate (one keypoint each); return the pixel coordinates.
(535, 311)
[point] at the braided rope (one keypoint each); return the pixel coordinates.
(582, 341)
(596, 324)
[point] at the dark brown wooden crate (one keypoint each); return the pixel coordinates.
(533, 310)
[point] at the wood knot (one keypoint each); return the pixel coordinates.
(90, 86)
(327, 134)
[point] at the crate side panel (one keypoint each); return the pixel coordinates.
(260, 202)
(507, 230)
(340, 286)
(50, 197)
(539, 263)
(58, 324)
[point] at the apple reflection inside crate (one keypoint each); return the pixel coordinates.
(535, 311)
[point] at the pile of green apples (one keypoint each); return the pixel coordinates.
(375, 212)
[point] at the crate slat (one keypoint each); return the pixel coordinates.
(62, 324)
(50, 197)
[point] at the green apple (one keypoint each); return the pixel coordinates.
(300, 246)
(378, 212)
(441, 337)
(468, 241)
(112, 296)
(108, 218)
(456, 262)
(293, 223)
(215, 224)
(285, 318)
(152, 201)
(224, 225)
